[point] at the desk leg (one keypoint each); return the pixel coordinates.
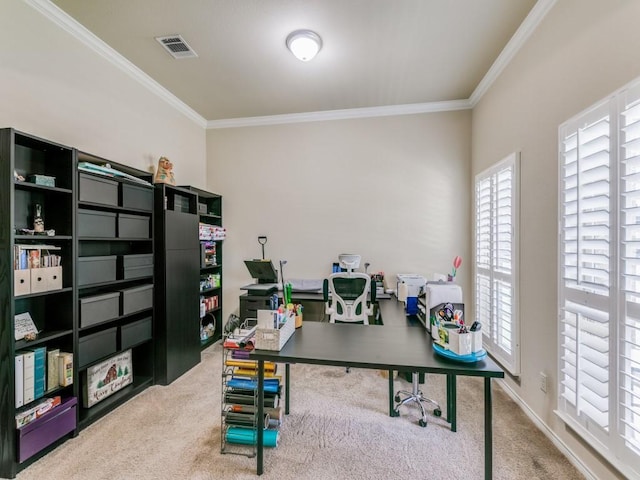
(260, 426)
(488, 431)
(451, 401)
(287, 372)
(392, 412)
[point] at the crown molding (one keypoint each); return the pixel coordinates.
(368, 112)
(71, 26)
(524, 31)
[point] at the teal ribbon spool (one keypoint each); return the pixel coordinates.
(247, 436)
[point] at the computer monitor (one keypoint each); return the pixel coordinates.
(262, 270)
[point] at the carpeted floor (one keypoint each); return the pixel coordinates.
(338, 428)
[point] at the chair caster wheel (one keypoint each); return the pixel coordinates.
(397, 398)
(422, 423)
(395, 413)
(437, 412)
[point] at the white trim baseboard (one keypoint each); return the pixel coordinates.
(550, 434)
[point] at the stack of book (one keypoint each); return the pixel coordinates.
(38, 371)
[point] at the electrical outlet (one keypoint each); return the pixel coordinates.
(543, 382)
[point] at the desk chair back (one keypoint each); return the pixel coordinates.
(349, 296)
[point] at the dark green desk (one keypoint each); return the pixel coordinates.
(394, 346)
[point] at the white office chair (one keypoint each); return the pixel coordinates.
(349, 300)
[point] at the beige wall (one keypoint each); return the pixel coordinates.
(583, 51)
(54, 87)
(393, 189)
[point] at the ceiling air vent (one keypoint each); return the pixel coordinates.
(176, 46)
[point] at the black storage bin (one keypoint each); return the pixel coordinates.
(136, 299)
(135, 333)
(97, 190)
(137, 266)
(133, 226)
(137, 197)
(96, 346)
(96, 269)
(94, 223)
(99, 308)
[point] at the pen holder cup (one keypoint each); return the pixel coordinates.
(298, 321)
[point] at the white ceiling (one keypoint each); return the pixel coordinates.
(376, 53)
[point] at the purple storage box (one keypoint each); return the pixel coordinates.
(45, 430)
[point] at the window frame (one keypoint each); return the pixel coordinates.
(491, 327)
(611, 441)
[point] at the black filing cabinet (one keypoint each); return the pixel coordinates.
(177, 291)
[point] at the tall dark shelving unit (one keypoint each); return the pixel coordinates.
(56, 297)
(115, 278)
(26, 154)
(177, 281)
(210, 213)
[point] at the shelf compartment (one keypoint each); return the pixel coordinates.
(56, 208)
(43, 337)
(97, 189)
(35, 156)
(99, 309)
(42, 432)
(96, 224)
(96, 346)
(135, 333)
(98, 269)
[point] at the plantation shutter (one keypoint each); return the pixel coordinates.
(585, 272)
(629, 344)
(496, 261)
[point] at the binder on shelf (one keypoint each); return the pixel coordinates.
(39, 372)
(29, 382)
(19, 373)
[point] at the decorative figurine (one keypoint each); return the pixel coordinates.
(38, 222)
(164, 174)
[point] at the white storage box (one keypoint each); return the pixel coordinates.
(269, 338)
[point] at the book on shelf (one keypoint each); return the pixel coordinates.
(65, 369)
(52, 369)
(26, 256)
(19, 382)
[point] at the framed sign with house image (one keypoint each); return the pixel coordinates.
(106, 378)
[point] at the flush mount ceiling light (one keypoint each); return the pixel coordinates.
(304, 44)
